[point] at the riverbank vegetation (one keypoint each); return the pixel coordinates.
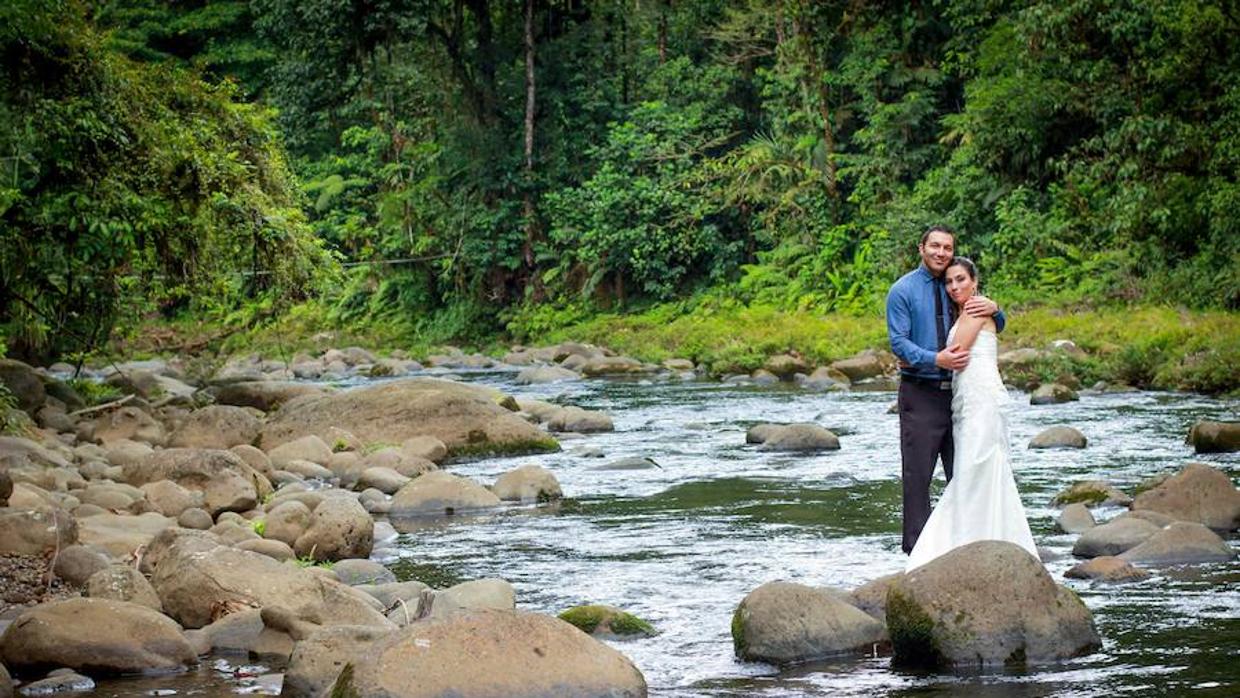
(715, 179)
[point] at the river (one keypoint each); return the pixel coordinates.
(682, 543)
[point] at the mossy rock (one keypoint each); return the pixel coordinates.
(912, 633)
(1092, 493)
(607, 620)
(510, 448)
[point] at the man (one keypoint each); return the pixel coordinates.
(918, 320)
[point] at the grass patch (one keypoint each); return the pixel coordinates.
(94, 392)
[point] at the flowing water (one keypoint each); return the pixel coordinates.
(681, 544)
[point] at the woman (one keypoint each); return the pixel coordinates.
(981, 501)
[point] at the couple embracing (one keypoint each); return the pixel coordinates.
(951, 401)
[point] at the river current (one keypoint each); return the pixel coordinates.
(681, 544)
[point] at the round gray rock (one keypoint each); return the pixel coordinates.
(1183, 542)
(1058, 437)
(1113, 537)
(1197, 493)
(784, 623)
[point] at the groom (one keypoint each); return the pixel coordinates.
(918, 320)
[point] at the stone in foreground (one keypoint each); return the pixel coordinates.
(786, 623)
(491, 654)
(95, 635)
(985, 604)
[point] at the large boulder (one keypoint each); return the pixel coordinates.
(440, 493)
(198, 585)
(95, 635)
(983, 604)
(128, 423)
(25, 384)
(1058, 437)
(36, 531)
(227, 482)
(491, 654)
(1215, 437)
(867, 364)
(1197, 493)
(340, 528)
(216, 426)
(468, 419)
(308, 448)
(121, 534)
(1183, 542)
(785, 366)
(784, 623)
(1113, 537)
(263, 395)
(528, 483)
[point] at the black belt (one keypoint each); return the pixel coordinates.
(929, 382)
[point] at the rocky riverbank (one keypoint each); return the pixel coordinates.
(241, 512)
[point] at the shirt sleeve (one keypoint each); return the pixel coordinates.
(1000, 321)
(900, 329)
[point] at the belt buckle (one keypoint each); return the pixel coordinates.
(945, 385)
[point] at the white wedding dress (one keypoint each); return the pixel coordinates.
(981, 501)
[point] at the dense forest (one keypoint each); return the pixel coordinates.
(463, 166)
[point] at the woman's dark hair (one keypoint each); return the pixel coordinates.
(969, 267)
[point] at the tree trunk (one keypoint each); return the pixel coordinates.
(531, 228)
(663, 9)
(820, 93)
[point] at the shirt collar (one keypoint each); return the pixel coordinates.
(925, 273)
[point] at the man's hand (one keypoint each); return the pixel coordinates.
(980, 306)
(952, 358)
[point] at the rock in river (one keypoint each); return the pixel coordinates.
(1183, 542)
(1215, 437)
(1058, 437)
(983, 604)
(784, 623)
(1113, 537)
(1197, 493)
(440, 493)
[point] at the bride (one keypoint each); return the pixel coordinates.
(980, 502)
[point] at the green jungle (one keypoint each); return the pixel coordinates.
(718, 180)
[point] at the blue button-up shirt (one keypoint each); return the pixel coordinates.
(910, 322)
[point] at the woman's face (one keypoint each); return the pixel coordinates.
(960, 286)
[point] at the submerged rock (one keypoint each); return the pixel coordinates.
(1107, 568)
(785, 623)
(792, 437)
(1052, 394)
(984, 604)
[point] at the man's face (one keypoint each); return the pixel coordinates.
(937, 251)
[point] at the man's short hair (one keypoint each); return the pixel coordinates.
(937, 229)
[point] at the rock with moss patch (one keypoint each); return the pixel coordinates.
(786, 623)
(607, 621)
(984, 604)
(1092, 493)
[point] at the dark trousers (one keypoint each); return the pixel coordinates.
(925, 435)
